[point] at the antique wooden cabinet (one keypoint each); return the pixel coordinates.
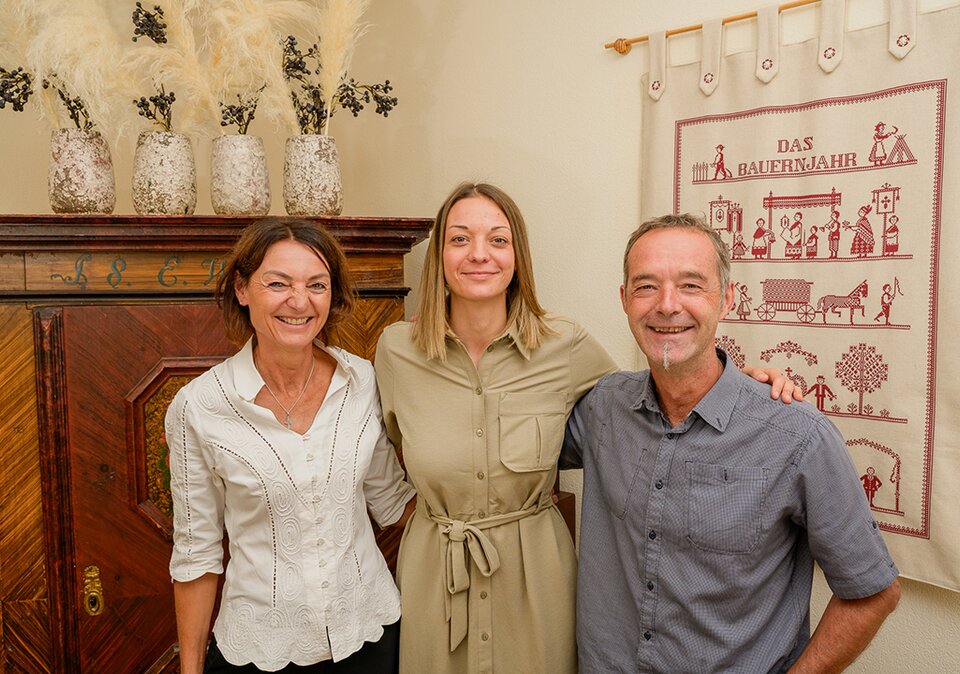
(102, 319)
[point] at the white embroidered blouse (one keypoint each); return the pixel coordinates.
(305, 581)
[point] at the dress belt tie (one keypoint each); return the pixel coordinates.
(460, 539)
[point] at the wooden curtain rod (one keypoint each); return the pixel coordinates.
(623, 45)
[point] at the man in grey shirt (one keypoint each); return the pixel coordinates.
(705, 501)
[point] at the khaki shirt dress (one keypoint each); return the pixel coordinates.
(487, 568)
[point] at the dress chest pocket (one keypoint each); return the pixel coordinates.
(531, 430)
(724, 506)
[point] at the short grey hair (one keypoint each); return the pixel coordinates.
(687, 221)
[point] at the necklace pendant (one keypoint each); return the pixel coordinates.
(288, 423)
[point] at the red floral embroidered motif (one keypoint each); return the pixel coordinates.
(829, 52)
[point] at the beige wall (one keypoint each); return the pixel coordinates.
(523, 95)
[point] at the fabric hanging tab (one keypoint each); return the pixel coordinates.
(712, 50)
(833, 21)
(903, 27)
(768, 43)
(658, 65)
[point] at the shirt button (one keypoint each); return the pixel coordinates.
(647, 636)
(319, 520)
(319, 541)
(479, 390)
(485, 636)
(309, 457)
(323, 562)
(649, 584)
(652, 534)
(671, 436)
(324, 584)
(658, 484)
(483, 594)
(480, 475)
(479, 432)
(481, 514)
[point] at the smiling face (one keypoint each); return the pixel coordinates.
(478, 256)
(674, 299)
(288, 297)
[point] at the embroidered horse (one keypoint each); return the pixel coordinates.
(835, 303)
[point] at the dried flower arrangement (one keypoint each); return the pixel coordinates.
(326, 87)
(245, 54)
(75, 55)
(171, 56)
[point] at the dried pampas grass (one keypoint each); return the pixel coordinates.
(176, 65)
(245, 40)
(340, 29)
(74, 43)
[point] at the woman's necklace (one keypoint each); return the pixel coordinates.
(287, 421)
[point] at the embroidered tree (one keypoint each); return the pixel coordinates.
(861, 370)
(733, 350)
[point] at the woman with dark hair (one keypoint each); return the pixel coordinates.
(477, 391)
(282, 447)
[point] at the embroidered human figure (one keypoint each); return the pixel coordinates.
(889, 294)
(792, 233)
(820, 391)
(863, 240)
(743, 305)
(721, 170)
(833, 235)
(762, 239)
(813, 242)
(871, 483)
(891, 236)
(878, 153)
(739, 248)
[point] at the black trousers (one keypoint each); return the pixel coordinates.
(380, 657)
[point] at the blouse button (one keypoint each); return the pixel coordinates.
(323, 562)
(324, 584)
(481, 514)
(479, 390)
(485, 636)
(480, 475)
(479, 432)
(309, 457)
(483, 594)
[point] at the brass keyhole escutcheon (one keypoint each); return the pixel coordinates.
(92, 591)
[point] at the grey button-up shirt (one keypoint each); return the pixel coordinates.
(697, 542)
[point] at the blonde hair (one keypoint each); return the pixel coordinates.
(523, 309)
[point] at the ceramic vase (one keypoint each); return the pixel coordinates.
(239, 182)
(164, 174)
(311, 176)
(80, 177)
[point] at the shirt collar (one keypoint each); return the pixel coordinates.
(247, 379)
(716, 407)
(510, 333)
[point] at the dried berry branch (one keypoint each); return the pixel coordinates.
(242, 113)
(74, 105)
(158, 108)
(16, 86)
(149, 24)
(310, 103)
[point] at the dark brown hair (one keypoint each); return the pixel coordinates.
(247, 256)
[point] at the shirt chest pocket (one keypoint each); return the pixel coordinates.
(531, 430)
(724, 507)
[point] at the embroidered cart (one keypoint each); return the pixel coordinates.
(786, 294)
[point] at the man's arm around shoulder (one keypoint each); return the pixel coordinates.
(845, 629)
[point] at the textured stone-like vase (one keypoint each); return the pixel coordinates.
(80, 177)
(164, 174)
(239, 183)
(311, 176)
